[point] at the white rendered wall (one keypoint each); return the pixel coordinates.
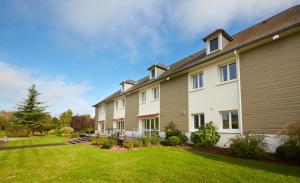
(151, 106)
(101, 113)
(120, 111)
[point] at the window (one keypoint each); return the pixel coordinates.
(228, 72)
(214, 44)
(143, 97)
(123, 88)
(101, 126)
(155, 92)
(197, 81)
(123, 103)
(150, 126)
(152, 73)
(116, 105)
(119, 125)
(198, 120)
(230, 120)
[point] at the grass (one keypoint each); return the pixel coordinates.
(85, 163)
(49, 139)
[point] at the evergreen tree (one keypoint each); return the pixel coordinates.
(30, 112)
(65, 118)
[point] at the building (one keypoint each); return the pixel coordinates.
(247, 82)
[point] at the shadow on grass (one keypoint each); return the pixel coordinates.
(253, 164)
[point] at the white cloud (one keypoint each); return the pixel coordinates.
(58, 93)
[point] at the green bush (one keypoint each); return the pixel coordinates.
(129, 144)
(109, 143)
(98, 140)
(173, 140)
(138, 143)
(155, 140)
(66, 131)
(290, 149)
(249, 146)
(147, 140)
(206, 136)
(2, 134)
(52, 132)
(289, 152)
(171, 130)
(17, 130)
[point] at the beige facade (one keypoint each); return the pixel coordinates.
(270, 85)
(174, 103)
(131, 112)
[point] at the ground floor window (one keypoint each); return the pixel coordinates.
(230, 120)
(150, 126)
(101, 126)
(119, 125)
(198, 120)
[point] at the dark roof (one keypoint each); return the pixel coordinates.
(224, 33)
(128, 81)
(161, 66)
(269, 27)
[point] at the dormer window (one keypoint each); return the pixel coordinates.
(152, 76)
(214, 44)
(125, 85)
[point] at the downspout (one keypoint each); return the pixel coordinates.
(237, 56)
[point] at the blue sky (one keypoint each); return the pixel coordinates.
(77, 52)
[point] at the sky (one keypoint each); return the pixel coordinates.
(77, 52)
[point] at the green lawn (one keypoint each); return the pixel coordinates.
(85, 163)
(49, 139)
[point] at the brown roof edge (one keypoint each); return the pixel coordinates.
(222, 31)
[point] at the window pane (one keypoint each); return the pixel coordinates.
(214, 44)
(223, 72)
(152, 124)
(196, 121)
(232, 71)
(234, 120)
(200, 80)
(153, 73)
(195, 82)
(156, 124)
(202, 120)
(225, 118)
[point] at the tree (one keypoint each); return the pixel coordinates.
(83, 123)
(30, 112)
(5, 117)
(65, 118)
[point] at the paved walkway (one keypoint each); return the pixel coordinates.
(30, 146)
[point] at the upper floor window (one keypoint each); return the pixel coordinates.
(116, 105)
(198, 120)
(230, 120)
(228, 72)
(123, 103)
(152, 72)
(155, 92)
(143, 97)
(197, 81)
(214, 44)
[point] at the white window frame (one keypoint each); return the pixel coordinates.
(193, 117)
(218, 38)
(155, 92)
(151, 72)
(198, 84)
(221, 79)
(150, 131)
(230, 129)
(143, 93)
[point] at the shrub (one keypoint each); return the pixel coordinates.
(137, 143)
(249, 146)
(155, 140)
(108, 143)
(289, 152)
(171, 130)
(66, 131)
(128, 144)
(290, 149)
(147, 140)
(206, 136)
(2, 134)
(17, 130)
(98, 140)
(52, 132)
(173, 140)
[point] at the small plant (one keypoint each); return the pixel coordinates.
(138, 143)
(98, 140)
(129, 144)
(17, 130)
(290, 149)
(52, 132)
(249, 146)
(173, 141)
(109, 143)
(2, 134)
(66, 131)
(206, 136)
(171, 130)
(155, 140)
(147, 140)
